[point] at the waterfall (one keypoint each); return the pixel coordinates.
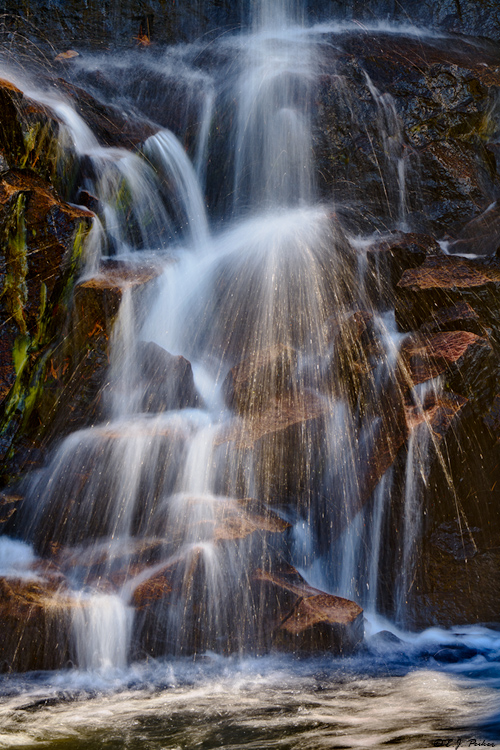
(160, 508)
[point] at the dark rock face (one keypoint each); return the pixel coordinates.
(168, 378)
(391, 106)
(466, 16)
(443, 281)
(98, 24)
(156, 21)
(35, 619)
(309, 620)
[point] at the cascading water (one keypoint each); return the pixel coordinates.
(293, 436)
(279, 283)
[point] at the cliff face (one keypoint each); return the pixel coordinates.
(99, 24)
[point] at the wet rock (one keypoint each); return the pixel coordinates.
(321, 623)
(28, 133)
(97, 25)
(460, 317)
(301, 619)
(455, 592)
(40, 230)
(35, 621)
(259, 379)
(400, 131)
(454, 654)
(286, 444)
(384, 643)
(37, 251)
(200, 598)
(390, 257)
(458, 542)
(110, 126)
(492, 417)
(481, 236)
(465, 358)
(168, 379)
(8, 507)
(41, 249)
(77, 372)
(440, 413)
(443, 281)
(347, 370)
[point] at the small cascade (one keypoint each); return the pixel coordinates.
(394, 171)
(276, 88)
(102, 626)
(164, 151)
(259, 451)
(122, 181)
(417, 464)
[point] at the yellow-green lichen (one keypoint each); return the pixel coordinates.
(14, 293)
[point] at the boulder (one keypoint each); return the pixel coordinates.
(268, 375)
(306, 620)
(284, 443)
(35, 617)
(321, 623)
(388, 259)
(464, 358)
(443, 281)
(460, 317)
(168, 380)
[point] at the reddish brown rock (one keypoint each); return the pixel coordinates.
(35, 621)
(457, 317)
(456, 353)
(302, 619)
(389, 258)
(259, 379)
(321, 623)
(440, 413)
(444, 281)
